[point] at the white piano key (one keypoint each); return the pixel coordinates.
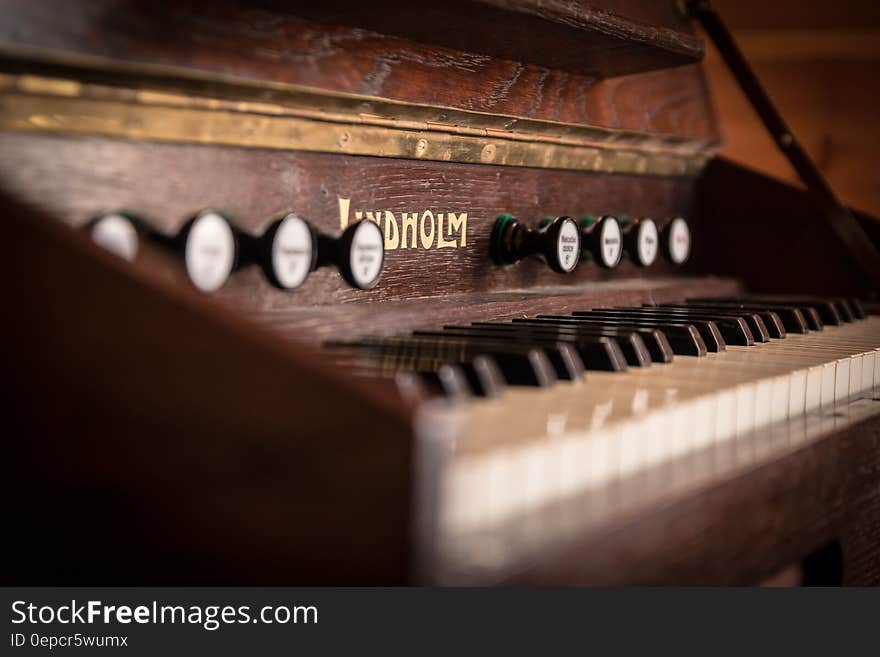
(704, 422)
(725, 415)
(841, 379)
(567, 450)
(601, 457)
(535, 484)
(658, 434)
(829, 371)
(877, 368)
(745, 408)
(465, 496)
(499, 500)
(780, 397)
(814, 389)
(868, 364)
(683, 428)
(656, 420)
(797, 393)
(763, 399)
(855, 374)
(631, 449)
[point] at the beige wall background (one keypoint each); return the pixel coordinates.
(820, 62)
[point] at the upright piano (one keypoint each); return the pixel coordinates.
(417, 293)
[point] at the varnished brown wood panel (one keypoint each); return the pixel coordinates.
(76, 178)
(316, 323)
(773, 236)
(153, 438)
(572, 36)
(247, 41)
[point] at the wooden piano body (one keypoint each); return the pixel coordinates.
(159, 435)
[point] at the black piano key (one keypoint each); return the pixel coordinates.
(733, 328)
(834, 311)
(658, 348)
(684, 338)
(845, 310)
(810, 316)
(772, 321)
(436, 380)
(520, 366)
(484, 376)
(448, 380)
(566, 362)
(826, 308)
(529, 368)
(630, 343)
(707, 328)
(755, 323)
(569, 358)
(858, 310)
(792, 318)
(817, 312)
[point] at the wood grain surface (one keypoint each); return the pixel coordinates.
(574, 36)
(74, 179)
(249, 41)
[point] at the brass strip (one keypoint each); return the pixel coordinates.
(309, 120)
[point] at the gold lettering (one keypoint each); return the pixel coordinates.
(392, 236)
(414, 230)
(409, 221)
(426, 242)
(344, 204)
(458, 223)
(443, 243)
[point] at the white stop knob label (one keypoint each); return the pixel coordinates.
(292, 252)
(647, 242)
(209, 254)
(610, 242)
(568, 247)
(367, 254)
(116, 234)
(679, 241)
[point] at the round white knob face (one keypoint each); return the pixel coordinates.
(647, 242)
(610, 242)
(115, 233)
(292, 252)
(367, 255)
(679, 241)
(209, 254)
(568, 246)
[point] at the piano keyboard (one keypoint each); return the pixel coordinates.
(603, 396)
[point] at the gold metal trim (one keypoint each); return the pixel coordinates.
(198, 109)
